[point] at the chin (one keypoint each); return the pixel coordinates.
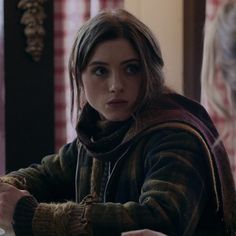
(117, 117)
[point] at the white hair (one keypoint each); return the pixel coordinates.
(220, 52)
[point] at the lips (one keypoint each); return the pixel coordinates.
(117, 102)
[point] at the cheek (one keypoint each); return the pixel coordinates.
(87, 85)
(87, 91)
(92, 90)
(138, 85)
(138, 90)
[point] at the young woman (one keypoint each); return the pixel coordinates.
(143, 158)
(219, 75)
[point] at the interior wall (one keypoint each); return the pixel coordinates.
(29, 96)
(165, 18)
(194, 20)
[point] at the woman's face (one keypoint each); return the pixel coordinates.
(112, 79)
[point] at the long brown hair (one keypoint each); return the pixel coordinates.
(109, 25)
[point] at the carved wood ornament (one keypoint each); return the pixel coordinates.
(33, 19)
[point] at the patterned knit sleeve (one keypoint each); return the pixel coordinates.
(44, 180)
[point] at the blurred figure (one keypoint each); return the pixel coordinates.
(219, 75)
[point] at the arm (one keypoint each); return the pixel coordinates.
(172, 198)
(44, 180)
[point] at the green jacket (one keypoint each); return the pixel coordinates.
(164, 175)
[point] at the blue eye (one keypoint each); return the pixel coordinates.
(133, 69)
(100, 71)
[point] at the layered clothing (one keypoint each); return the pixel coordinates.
(161, 169)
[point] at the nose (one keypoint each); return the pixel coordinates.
(116, 84)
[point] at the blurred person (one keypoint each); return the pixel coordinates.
(219, 75)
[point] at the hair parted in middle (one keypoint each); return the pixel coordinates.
(111, 25)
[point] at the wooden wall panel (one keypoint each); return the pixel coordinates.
(29, 110)
(194, 18)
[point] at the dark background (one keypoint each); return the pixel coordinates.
(29, 101)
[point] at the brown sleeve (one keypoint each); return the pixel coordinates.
(18, 182)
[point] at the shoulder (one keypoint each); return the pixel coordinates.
(177, 111)
(174, 145)
(175, 136)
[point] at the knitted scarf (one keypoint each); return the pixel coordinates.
(101, 138)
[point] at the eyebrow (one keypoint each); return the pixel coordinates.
(105, 63)
(131, 60)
